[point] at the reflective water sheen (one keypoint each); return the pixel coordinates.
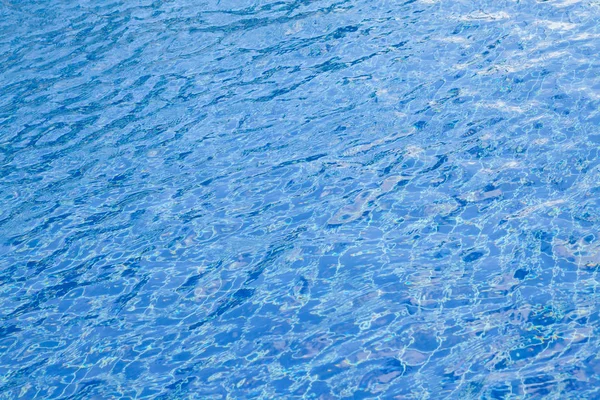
(299, 199)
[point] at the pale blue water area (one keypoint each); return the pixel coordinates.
(299, 199)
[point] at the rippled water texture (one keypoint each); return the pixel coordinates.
(299, 199)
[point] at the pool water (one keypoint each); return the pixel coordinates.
(299, 199)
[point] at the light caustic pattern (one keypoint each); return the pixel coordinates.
(299, 199)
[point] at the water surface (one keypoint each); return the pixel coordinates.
(299, 199)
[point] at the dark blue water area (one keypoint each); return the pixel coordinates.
(276, 199)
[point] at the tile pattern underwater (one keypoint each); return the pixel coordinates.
(299, 199)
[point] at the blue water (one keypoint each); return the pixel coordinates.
(299, 199)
